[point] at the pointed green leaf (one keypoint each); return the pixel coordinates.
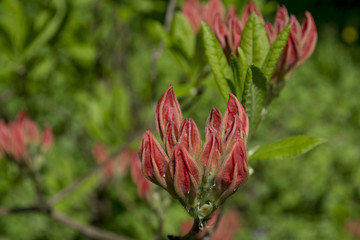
(287, 148)
(246, 87)
(182, 35)
(256, 97)
(217, 60)
(254, 41)
(276, 49)
(235, 66)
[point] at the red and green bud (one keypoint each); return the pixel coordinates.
(154, 161)
(214, 122)
(233, 172)
(168, 109)
(186, 174)
(210, 156)
(190, 137)
(300, 45)
(170, 137)
(235, 108)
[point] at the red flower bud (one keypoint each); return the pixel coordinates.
(214, 122)
(234, 134)
(154, 162)
(47, 139)
(300, 45)
(18, 146)
(210, 156)
(233, 172)
(170, 137)
(185, 173)
(168, 109)
(190, 137)
(234, 108)
(249, 9)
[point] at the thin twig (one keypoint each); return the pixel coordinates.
(8, 211)
(75, 184)
(87, 230)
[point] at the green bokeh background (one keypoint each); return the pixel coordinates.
(84, 68)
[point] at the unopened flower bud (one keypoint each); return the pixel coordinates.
(47, 139)
(214, 121)
(170, 137)
(154, 162)
(190, 137)
(233, 172)
(185, 173)
(210, 156)
(234, 108)
(168, 109)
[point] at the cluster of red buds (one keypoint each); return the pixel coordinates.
(21, 139)
(228, 30)
(119, 166)
(200, 176)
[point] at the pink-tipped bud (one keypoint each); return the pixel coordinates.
(192, 10)
(144, 187)
(219, 30)
(185, 173)
(233, 173)
(170, 137)
(168, 109)
(249, 9)
(234, 134)
(213, 9)
(47, 139)
(190, 137)
(154, 161)
(309, 38)
(214, 121)
(234, 34)
(210, 156)
(31, 131)
(234, 108)
(18, 146)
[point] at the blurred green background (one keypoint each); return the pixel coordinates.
(85, 68)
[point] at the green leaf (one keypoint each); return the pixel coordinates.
(254, 41)
(256, 97)
(287, 148)
(235, 66)
(217, 61)
(246, 87)
(276, 49)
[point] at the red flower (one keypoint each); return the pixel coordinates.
(187, 170)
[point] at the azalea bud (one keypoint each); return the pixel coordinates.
(185, 173)
(234, 134)
(234, 107)
(214, 121)
(249, 9)
(154, 162)
(47, 139)
(234, 33)
(31, 131)
(210, 156)
(18, 146)
(220, 32)
(190, 137)
(168, 109)
(233, 173)
(170, 137)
